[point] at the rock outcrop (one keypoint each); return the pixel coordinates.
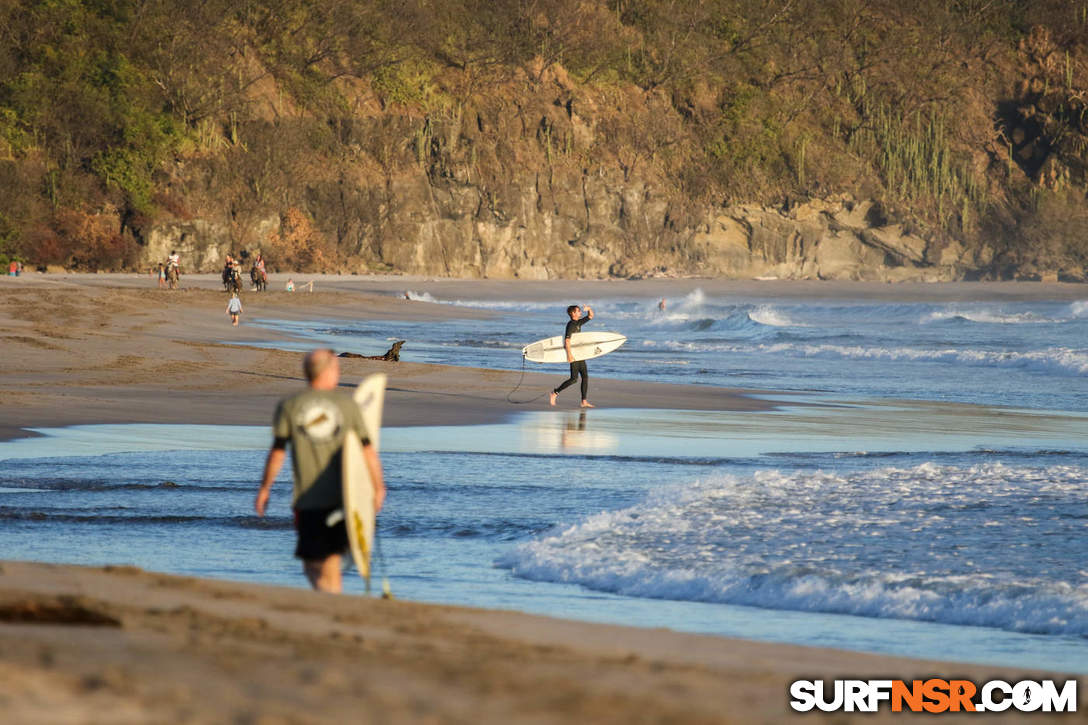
(819, 239)
(589, 227)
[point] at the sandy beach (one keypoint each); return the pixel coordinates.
(116, 644)
(78, 351)
(111, 348)
(120, 645)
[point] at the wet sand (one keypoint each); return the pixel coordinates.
(77, 351)
(111, 348)
(120, 645)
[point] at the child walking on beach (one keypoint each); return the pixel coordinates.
(234, 308)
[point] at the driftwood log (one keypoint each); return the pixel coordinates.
(391, 355)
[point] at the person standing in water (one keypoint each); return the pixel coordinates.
(577, 367)
(315, 422)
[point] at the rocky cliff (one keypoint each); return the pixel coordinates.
(570, 138)
(615, 232)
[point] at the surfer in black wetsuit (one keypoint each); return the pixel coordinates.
(577, 367)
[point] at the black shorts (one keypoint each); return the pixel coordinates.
(317, 540)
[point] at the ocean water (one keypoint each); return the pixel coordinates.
(921, 488)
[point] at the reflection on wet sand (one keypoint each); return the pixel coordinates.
(832, 426)
(572, 428)
(574, 436)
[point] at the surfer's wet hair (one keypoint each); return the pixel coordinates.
(572, 308)
(316, 361)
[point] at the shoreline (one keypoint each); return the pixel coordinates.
(147, 646)
(111, 348)
(87, 350)
(395, 286)
(89, 354)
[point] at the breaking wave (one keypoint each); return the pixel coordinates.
(910, 543)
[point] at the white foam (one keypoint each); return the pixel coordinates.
(694, 299)
(1054, 360)
(681, 311)
(768, 315)
(1058, 360)
(487, 304)
(987, 316)
(902, 543)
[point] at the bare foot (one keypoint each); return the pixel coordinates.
(552, 397)
(587, 404)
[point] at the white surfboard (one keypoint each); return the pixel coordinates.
(583, 345)
(358, 488)
(370, 397)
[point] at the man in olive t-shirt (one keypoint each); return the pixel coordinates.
(315, 422)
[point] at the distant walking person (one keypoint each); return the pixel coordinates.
(315, 422)
(577, 367)
(234, 308)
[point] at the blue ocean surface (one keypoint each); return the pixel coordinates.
(920, 489)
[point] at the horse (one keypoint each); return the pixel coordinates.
(232, 279)
(259, 278)
(173, 274)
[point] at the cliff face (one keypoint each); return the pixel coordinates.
(546, 178)
(578, 226)
(526, 186)
(575, 138)
(597, 231)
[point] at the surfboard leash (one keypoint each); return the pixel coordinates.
(509, 399)
(387, 592)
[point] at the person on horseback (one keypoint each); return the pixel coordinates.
(258, 275)
(228, 273)
(173, 269)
